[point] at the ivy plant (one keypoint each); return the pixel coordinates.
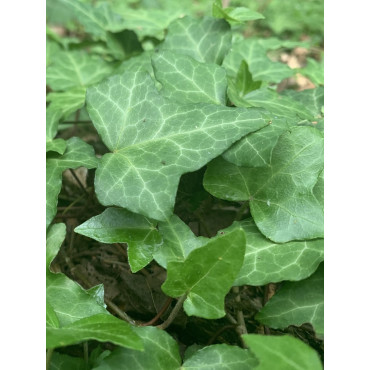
(176, 156)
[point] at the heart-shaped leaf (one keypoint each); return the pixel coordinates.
(155, 141)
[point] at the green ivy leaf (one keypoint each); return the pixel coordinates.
(206, 40)
(58, 145)
(69, 300)
(77, 154)
(314, 70)
(269, 262)
(178, 241)
(221, 357)
(297, 303)
(254, 54)
(61, 361)
(72, 69)
(96, 20)
(51, 317)
(207, 274)
(186, 80)
(234, 15)
(156, 142)
(281, 200)
(160, 352)
(101, 327)
(282, 352)
(121, 226)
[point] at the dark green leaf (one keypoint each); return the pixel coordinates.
(207, 274)
(297, 303)
(60, 361)
(121, 226)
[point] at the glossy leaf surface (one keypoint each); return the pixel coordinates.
(207, 275)
(116, 225)
(282, 352)
(155, 143)
(102, 327)
(297, 303)
(160, 352)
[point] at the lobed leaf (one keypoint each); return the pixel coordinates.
(297, 303)
(280, 196)
(207, 274)
(121, 226)
(282, 352)
(77, 154)
(268, 262)
(155, 141)
(160, 352)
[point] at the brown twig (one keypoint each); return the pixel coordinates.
(218, 332)
(159, 314)
(123, 315)
(173, 313)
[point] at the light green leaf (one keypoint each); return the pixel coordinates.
(160, 352)
(51, 317)
(297, 303)
(234, 15)
(141, 62)
(147, 22)
(96, 20)
(77, 154)
(71, 69)
(57, 145)
(101, 327)
(207, 274)
(186, 80)
(280, 196)
(68, 299)
(221, 357)
(282, 353)
(61, 361)
(269, 262)
(154, 141)
(178, 241)
(318, 190)
(206, 40)
(254, 54)
(314, 70)
(121, 226)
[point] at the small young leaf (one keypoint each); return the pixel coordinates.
(297, 303)
(186, 80)
(77, 154)
(207, 274)
(121, 226)
(221, 357)
(160, 352)
(269, 262)
(101, 327)
(234, 15)
(154, 141)
(281, 200)
(282, 352)
(211, 47)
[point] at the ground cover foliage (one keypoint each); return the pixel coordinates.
(185, 177)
